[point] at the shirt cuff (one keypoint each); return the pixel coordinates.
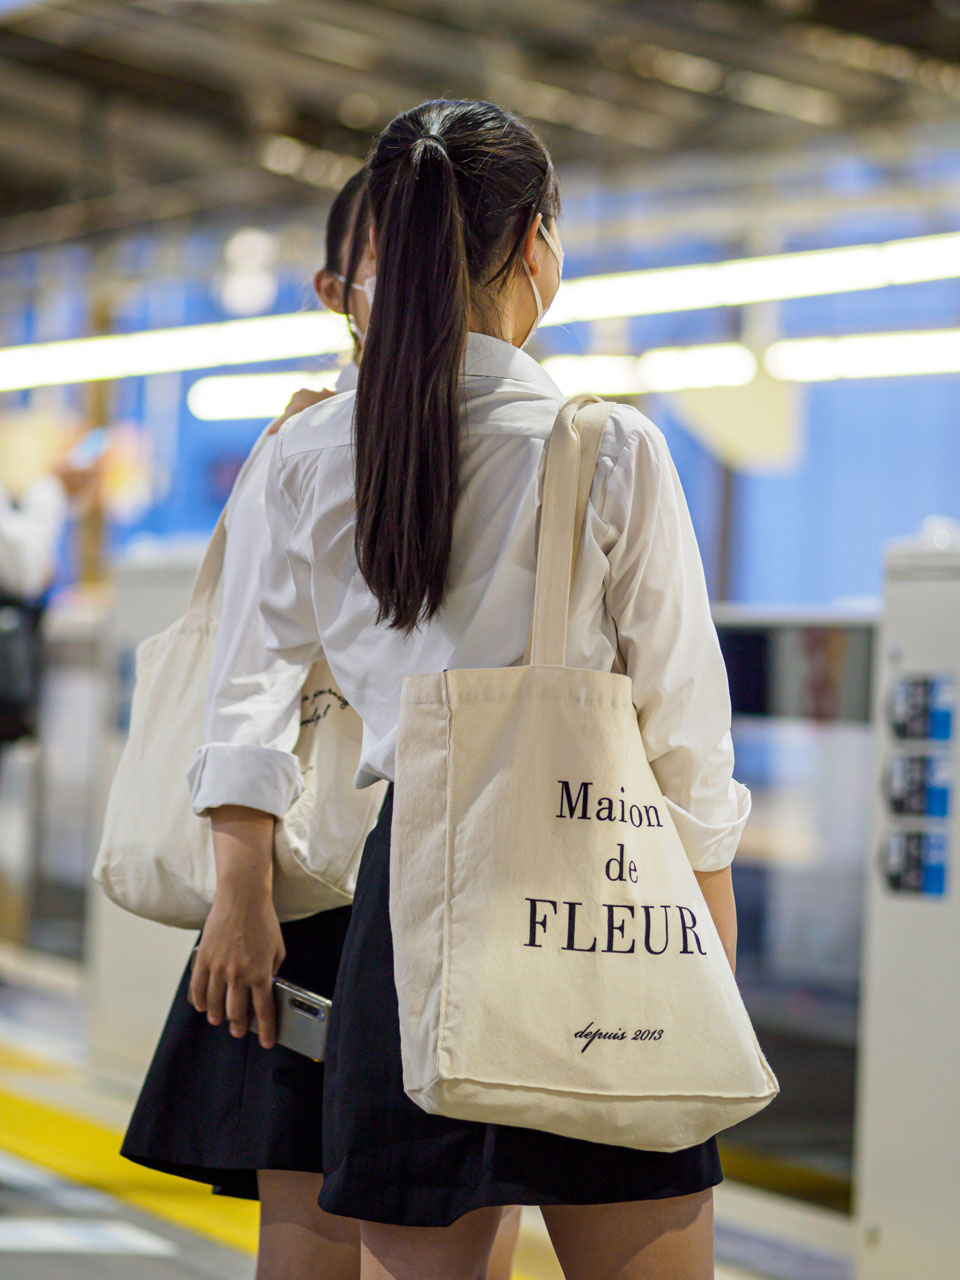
(709, 846)
(262, 778)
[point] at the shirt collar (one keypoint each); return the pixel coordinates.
(488, 357)
(348, 378)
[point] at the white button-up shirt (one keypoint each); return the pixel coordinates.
(248, 730)
(638, 582)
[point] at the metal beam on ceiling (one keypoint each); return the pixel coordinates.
(611, 85)
(145, 133)
(245, 188)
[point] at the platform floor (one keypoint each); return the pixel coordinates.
(72, 1209)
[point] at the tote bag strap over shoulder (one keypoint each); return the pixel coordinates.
(211, 566)
(572, 452)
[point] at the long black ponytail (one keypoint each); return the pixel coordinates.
(453, 188)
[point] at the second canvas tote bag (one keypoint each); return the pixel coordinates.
(156, 856)
(556, 964)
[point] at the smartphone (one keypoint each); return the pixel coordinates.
(303, 1017)
(90, 447)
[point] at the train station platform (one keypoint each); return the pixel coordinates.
(72, 1207)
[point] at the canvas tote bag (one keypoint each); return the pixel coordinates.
(556, 964)
(156, 856)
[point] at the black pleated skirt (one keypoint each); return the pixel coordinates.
(385, 1160)
(216, 1108)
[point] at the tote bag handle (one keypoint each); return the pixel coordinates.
(211, 566)
(571, 461)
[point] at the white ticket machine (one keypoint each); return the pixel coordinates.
(907, 1137)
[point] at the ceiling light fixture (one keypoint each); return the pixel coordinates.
(252, 395)
(740, 281)
(718, 364)
(866, 355)
(197, 346)
(737, 282)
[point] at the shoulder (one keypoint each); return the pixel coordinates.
(327, 425)
(632, 470)
(532, 418)
(631, 436)
(313, 455)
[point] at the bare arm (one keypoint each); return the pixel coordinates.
(717, 889)
(241, 947)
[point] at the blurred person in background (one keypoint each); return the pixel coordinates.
(30, 530)
(29, 537)
(240, 1113)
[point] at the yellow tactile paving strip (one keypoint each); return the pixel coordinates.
(14, 1060)
(786, 1178)
(88, 1152)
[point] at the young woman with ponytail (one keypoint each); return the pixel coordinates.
(403, 539)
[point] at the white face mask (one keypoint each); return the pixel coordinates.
(558, 254)
(366, 287)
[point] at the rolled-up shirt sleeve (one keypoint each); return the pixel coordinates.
(657, 597)
(252, 711)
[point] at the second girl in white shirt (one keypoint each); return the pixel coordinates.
(214, 1106)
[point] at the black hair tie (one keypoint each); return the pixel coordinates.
(434, 137)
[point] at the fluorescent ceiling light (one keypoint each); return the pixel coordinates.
(740, 281)
(321, 168)
(252, 395)
(720, 364)
(728, 364)
(604, 375)
(737, 282)
(763, 92)
(198, 346)
(585, 113)
(783, 97)
(868, 355)
(685, 70)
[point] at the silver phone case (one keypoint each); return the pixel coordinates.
(303, 1018)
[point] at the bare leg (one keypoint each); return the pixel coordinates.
(500, 1266)
(298, 1241)
(669, 1239)
(457, 1252)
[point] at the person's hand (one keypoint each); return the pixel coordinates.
(241, 946)
(80, 482)
(241, 949)
(299, 401)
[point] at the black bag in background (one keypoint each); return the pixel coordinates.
(21, 661)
